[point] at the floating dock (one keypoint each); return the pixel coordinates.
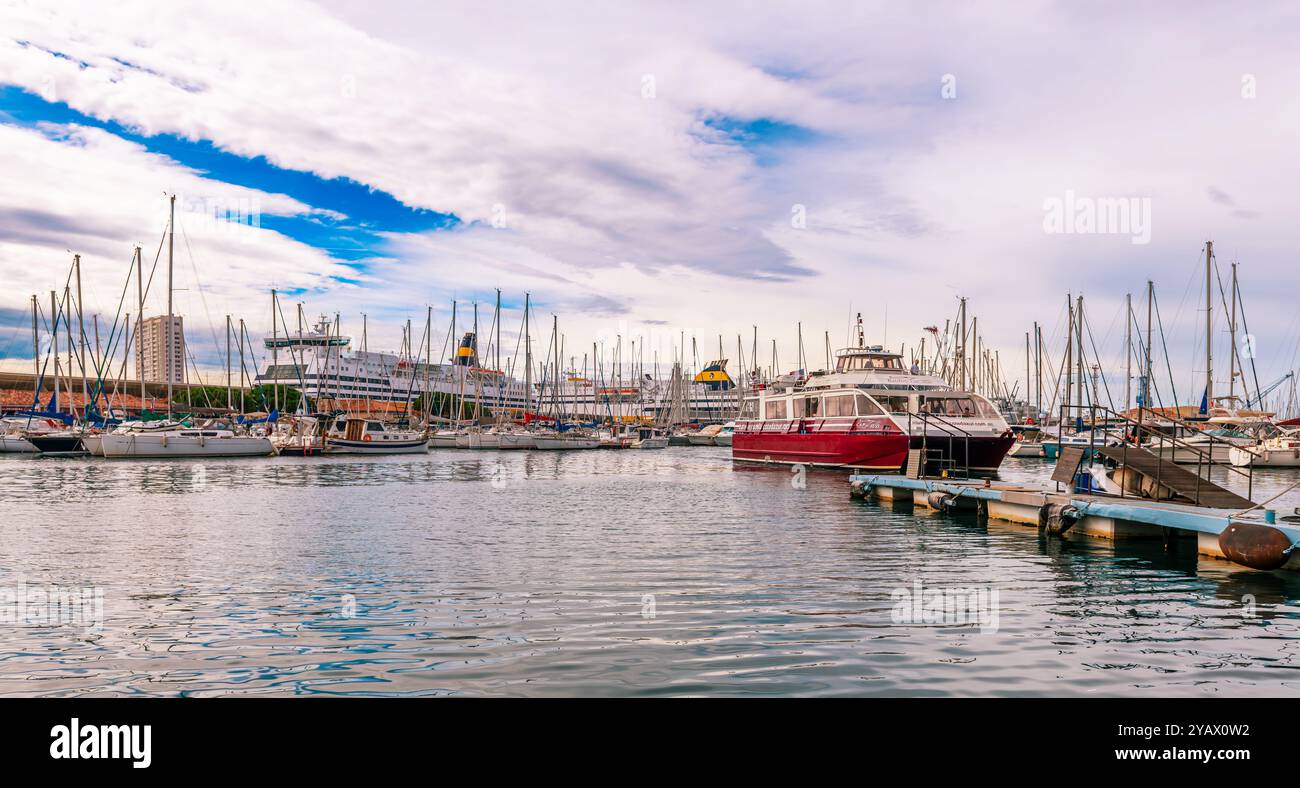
(1258, 541)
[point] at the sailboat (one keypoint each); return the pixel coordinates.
(65, 441)
(214, 440)
(563, 437)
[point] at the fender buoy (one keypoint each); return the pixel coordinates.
(1255, 546)
(940, 500)
(366, 437)
(1057, 518)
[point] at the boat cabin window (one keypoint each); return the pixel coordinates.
(858, 363)
(841, 405)
(810, 407)
(749, 410)
(374, 426)
(893, 404)
(774, 409)
(961, 406)
(868, 408)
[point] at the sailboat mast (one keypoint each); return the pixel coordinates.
(229, 391)
(1209, 337)
(67, 327)
(36, 358)
(139, 322)
(1146, 380)
(171, 258)
(54, 347)
(1028, 380)
(81, 336)
(528, 361)
(428, 362)
(275, 354)
(1232, 330)
(1069, 353)
(1078, 337)
(961, 354)
(364, 365)
(242, 377)
(1128, 350)
(1038, 370)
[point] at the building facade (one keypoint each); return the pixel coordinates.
(155, 345)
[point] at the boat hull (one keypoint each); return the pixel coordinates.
(443, 440)
(978, 454)
(342, 446)
(300, 449)
(563, 444)
(93, 444)
(722, 439)
(57, 445)
(1217, 453)
(1022, 449)
(143, 446)
(16, 444)
(517, 440)
(882, 451)
(1261, 457)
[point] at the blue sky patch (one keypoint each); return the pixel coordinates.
(763, 137)
(358, 214)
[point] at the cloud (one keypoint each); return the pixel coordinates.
(646, 160)
(79, 190)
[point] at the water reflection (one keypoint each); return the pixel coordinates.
(595, 573)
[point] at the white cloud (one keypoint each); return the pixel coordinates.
(612, 200)
(71, 189)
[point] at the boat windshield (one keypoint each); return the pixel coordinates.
(957, 406)
(851, 363)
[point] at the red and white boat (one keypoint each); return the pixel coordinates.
(867, 413)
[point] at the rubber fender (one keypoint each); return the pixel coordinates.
(939, 500)
(1057, 518)
(1255, 546)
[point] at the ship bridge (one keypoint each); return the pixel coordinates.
(321, 336)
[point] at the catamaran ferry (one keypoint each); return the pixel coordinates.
(867, 413)
(321, 364)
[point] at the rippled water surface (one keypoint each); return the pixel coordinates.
(666, 572)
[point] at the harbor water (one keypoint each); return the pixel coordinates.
(607, 573)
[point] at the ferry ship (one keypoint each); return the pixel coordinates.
(321, 364)
(867, 413)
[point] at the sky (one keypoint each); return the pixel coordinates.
(659, 171)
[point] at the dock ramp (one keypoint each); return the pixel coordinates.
(1160, 472)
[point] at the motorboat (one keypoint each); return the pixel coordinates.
(359, 435)
(867, 413)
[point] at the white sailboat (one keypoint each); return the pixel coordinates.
(1279, 451)
(218, 440)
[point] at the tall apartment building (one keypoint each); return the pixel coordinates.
(154, 345)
